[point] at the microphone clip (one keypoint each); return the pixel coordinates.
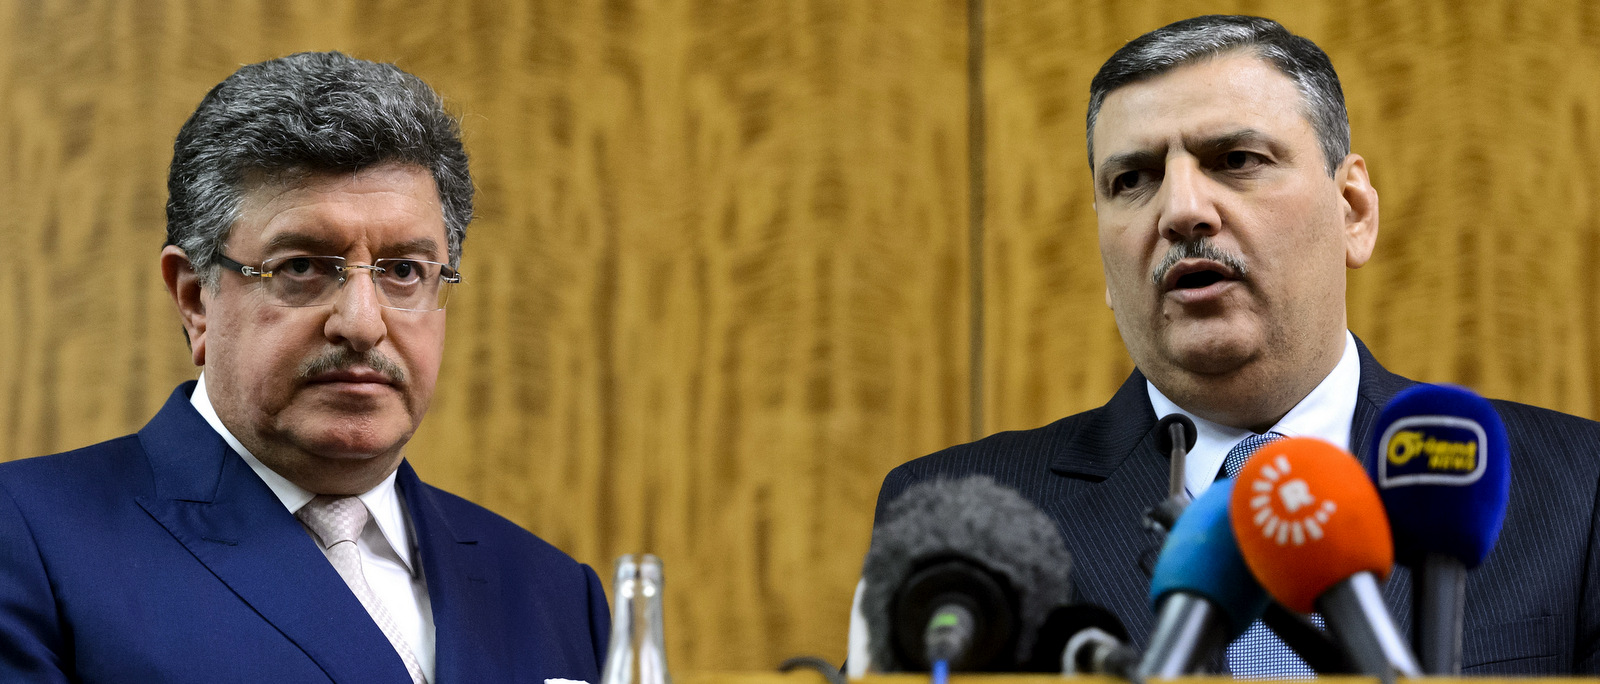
(1175, 435)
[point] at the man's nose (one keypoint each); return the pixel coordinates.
(357, 318)
(1188, 206)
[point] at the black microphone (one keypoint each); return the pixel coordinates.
(961, 571)
(1082, 639)
(1175, 436)
(1317, 649)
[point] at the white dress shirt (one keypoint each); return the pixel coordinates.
(396, 578)
(1325, 413)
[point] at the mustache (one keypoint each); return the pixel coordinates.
(1198, 248)
(342, 358)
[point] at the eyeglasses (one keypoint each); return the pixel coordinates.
(403, 284)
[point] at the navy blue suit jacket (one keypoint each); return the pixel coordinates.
(161, 557)
(1532, 608)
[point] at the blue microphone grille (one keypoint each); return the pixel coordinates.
(1440, 459)
(1201, 556)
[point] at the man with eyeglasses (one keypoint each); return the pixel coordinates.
(264, 526)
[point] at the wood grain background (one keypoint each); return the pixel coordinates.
(724, 271)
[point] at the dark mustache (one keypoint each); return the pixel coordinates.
(342, 358)
(1199, 248)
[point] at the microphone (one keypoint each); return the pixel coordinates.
(1442, 465)
(1083, 639)
(1175, 436)
(962, 572)
(1202, 592)
(1312, 528)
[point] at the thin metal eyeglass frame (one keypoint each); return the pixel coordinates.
(447, 277)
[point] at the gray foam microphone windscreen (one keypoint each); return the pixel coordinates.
(980, 521)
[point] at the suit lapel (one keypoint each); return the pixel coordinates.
(1114, 434)
(213, 504)
(458, 589)
(1108, 472)
(1377, 387)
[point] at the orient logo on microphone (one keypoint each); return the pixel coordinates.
(1286, 511)
(1431, 450)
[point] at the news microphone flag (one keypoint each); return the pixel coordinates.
(1442, 465)
(1301, 539)
(1313, 530)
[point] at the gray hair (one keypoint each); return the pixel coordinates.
(1192, 40)
(307, 112)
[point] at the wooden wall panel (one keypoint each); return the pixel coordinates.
(89, 344)
(724, 249)
(1479, 125)
(717, 288)
(719, 284)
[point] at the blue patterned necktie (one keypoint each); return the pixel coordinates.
(1259, 653)
(1241, 452)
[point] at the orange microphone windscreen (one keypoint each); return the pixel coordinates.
(1307, 518)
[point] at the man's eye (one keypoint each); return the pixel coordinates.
(1129, 180)
(404, 270)
(1239, 160)
(302, 268)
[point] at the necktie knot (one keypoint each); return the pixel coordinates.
(334, 519)
(1241, 452)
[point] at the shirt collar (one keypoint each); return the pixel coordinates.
(1326, 413)
(383, 501)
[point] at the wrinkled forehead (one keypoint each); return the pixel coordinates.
(383, 209)
(1201, 100)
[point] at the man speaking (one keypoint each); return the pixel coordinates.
(1229, 210)
(264, 526)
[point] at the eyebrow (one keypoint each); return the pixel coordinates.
(1131, 160)
(312, 243)
(1232, 139)
(298, 241)
(1202, 146)
(425, 246)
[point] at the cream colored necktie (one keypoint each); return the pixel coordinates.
(337, 522)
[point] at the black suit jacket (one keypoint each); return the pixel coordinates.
(1532, 608)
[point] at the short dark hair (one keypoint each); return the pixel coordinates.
(1192, 40)
(307, 112)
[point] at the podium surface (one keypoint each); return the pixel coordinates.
(812, 677)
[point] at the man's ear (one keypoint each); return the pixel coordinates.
(1360, 203)
(183, 283)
